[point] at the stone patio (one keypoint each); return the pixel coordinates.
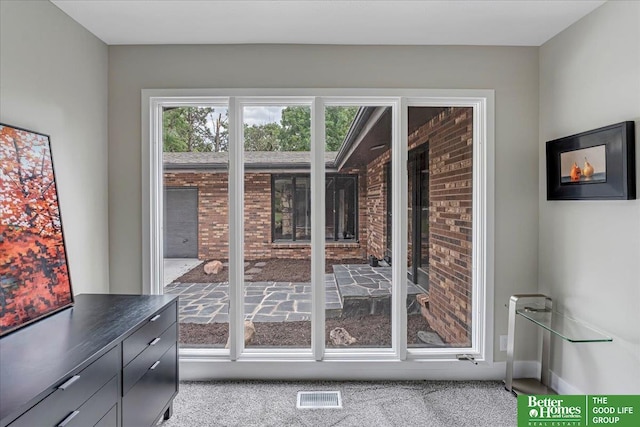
(353, 290)
(366, 290)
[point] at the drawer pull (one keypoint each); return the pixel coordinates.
(154, 366)
(155, 341)
(69, 382)
(154, 318)
(68, 419)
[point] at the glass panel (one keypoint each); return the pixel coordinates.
(563, 326)
(277, 226)
(283, 208)
(346, 207)
(388, 208)
(440, 220)
(424, 212)
(196, 230)
(303, 208)
(330, 209)
(357, 280)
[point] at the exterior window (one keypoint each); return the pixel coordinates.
(291, 207)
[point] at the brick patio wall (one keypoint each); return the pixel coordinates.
(213, 222)
(376, 202)
(450, 138)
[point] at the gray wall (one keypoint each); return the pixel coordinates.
(512, 72)
(53, 79)
(590, 251)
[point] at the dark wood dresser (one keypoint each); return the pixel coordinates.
(110, 360)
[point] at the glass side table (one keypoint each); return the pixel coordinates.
(538, 309)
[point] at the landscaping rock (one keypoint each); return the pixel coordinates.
(431, 338)
(213, 267)
(340, 336)
(423, 300)
(249, 333)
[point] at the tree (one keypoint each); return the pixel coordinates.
(265, 137)
(220, 131)
(293, 133)
(337, 123)
(296, 129)
(207, 129)
(195, 129)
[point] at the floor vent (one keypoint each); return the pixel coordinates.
(319, 399)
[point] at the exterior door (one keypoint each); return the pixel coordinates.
(181, 223)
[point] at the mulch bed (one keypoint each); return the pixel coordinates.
(370, 331)
(275, 270)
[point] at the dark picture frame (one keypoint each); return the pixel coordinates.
(595, 165)
(34, 271)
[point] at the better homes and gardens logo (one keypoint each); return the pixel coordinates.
(578, 411)
(553, 411)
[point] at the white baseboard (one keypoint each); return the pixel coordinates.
(561, 386)
(216, 369)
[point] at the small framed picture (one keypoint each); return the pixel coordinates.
(594, 165)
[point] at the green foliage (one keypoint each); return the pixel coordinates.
(264, 137)
(195, 129)
(206, 129)
(296, 129)
(337, 122)
(293, 133)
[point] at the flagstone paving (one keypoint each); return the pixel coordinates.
(351, 291)
(263, 301)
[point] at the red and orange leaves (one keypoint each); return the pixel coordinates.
(33, 269)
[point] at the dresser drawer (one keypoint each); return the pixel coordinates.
(110, 419)
(140, 365)
(144, 403)
(94, 409)
(72, 393)
(154, 327)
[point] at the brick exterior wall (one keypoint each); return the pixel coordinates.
(450, 138)
(376, 199)
(213, 222)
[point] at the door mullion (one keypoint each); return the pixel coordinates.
(317, 228)
(236, 230)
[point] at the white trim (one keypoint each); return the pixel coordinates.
(317, 229)
(561, 386)
(236, 229)
(399, 190)
(205, 369)
(483, 224)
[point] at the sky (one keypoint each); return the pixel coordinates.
(262, 115)
(257, 115)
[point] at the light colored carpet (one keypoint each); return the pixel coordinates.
(377, 404)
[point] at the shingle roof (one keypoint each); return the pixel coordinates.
(252, 160)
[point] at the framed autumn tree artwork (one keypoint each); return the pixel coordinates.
(34, 274)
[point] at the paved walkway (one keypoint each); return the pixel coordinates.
(176, 267)
(366, 290)
(263, 301)
(352, 290)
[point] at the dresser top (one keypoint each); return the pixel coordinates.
(39, 356)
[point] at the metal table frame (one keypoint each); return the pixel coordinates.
(528, 385)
